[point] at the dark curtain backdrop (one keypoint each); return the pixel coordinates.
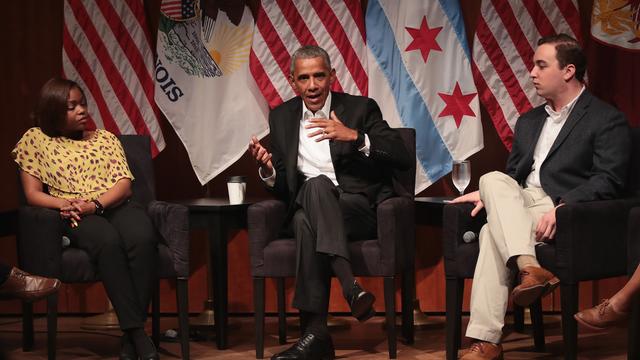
(32, 54)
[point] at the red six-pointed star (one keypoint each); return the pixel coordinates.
(457, 104)
(424, 39)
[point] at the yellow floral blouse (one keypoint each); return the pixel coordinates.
(83, 169)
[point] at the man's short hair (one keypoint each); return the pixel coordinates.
(310, 52)
(568, 51)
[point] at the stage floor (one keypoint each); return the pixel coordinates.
(360, 341)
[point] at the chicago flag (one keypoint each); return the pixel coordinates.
(420, 74)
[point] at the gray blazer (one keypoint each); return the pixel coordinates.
(589, 158)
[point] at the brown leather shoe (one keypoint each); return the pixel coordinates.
(24, 286)
(535, 282)
(601, 316)
(482, 350)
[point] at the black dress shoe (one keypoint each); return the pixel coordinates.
(151, 353)
(361, 303)
(309, 347)
(127, 349)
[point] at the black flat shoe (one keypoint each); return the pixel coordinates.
(361, 303)
(127, 349)
(308, 347)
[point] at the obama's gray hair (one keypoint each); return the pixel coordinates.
(310, 52)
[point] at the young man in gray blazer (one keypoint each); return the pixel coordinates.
(574, 148)
(330, 160)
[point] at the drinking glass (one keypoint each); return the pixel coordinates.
(461, 174)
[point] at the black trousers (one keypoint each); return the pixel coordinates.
(5, 270)
(123, 246)
(327, 219)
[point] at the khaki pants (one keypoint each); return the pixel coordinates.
(512, 216)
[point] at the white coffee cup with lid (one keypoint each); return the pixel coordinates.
(237, 186)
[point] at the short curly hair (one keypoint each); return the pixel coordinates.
(310, 52)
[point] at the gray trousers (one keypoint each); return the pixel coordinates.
(327, 219)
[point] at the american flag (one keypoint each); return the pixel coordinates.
(106, 50)
(505, 41)
(178, 9)
(283, 26)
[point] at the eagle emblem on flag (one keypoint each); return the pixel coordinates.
(180, 28)
(617, 23)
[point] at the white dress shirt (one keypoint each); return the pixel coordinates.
(550, 130)
(314, 157)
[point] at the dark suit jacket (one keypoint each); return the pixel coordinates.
(355, 172)
(589, 158)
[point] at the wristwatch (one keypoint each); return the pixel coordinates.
(99, 207)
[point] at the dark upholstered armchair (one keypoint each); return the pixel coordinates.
(391, 254)
(590, 244)
(40, 249)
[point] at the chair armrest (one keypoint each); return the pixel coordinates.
(633, 240)
(456, 220)
(40, 233)
(396, 233)
(591, 239)
(172, 222)
(264, 221)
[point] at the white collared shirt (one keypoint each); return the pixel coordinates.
(550, 130)
(314, 158)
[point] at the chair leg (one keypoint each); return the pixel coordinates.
(538, 325)
(390, 310)
(258, 303)
(455, 291)
(52, 325)
(407, 296)
(569, 301)
(634, 330)
(182, 294)
(518, 318)
(27, 326)
(155, 315)
(282, 315)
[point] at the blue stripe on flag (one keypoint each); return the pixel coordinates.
(430, 148)
(452, 9)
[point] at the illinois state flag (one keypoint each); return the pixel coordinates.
(203, 83)
(614, 58)
(419, 73)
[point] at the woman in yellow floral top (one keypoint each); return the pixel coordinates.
(84, 174)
